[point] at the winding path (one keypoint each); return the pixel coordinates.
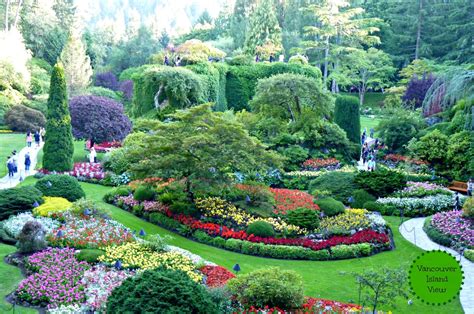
(412, 230)
(7, 182)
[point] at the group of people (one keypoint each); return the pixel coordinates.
(369, 149)
(12, 160)
(271, 59)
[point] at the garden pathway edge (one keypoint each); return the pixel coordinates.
(7, 182)
(412, 230)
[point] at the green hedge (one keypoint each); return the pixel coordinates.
(60, 186)
(241, 80)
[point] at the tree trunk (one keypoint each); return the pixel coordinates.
(362, 88)
(418, 31)
(7, 9)
(326, 56)
(17, 15)
(189, 192)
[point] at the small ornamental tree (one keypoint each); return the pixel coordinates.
(58, 147)
(107, 80)
(347, 116)
(99, 119)
(416, 90)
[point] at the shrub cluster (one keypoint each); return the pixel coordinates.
(60, 186)
(381, 182)
(16, 200)
(330, 207)
(23, 119)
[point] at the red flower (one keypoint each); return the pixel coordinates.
(216, 276)
(286, 200)
(318, 163)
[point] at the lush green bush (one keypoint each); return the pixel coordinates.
(399, 128)
(160, 290)
(214, 75)
(383, 209)
(16, 200)
(469, 254)
(256, 198)
(117, 191)
(104, 92)
(340, 184)
(261, 229)
(432, 147)
(89, 255)
(61, 186)
(330, 207)
(468, 208)
(144, 193)
(461, 155)
(23, 119)
(361, 197)
(164, 221)
(347, 116)
(269, 287)
(381, 182)
(304, 218)
(343, 251)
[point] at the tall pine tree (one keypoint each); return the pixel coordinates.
(240, 21)
(77, 65)
(58, 147)
(263, 29)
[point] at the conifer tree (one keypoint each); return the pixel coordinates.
(240, 21)
(264, 28)
(347, 116)
(58, 147)
(77, 65)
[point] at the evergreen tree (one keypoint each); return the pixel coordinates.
(77, 65)
(58, 147)
(240, 20)
(347, 116)
(65, 11)
(164, 38)
(263, 29)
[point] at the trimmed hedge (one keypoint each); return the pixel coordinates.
(89, 255)
(17, 200)
(261, 229)
(381, 182)
(330, 207)
(60, 186)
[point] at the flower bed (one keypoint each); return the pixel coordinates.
(89, 232)
(216, 276)
(425, 206)
(83, 171)
(56, 280)
(311, 174)
(455, 226)
(287, 200)
(316, 164)
(14, 224)
(421, 189)
(311, 305)
(52, 205)
(395, 159)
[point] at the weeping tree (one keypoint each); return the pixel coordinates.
(447, 89)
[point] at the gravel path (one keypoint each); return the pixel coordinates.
(412, 230)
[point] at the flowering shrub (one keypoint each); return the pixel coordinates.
(153, 181)
(83, 171)
(320, 163)
(393, 160)
(89, 232)
(286, 200)
(453, 224)
(52, 205)
(14, 224)
(128, 201)
(423, 206)
(216, 276)
(99, 282)
(351, 219)
(56, 280)
(420, 189)
(135, 255)
(154, 206)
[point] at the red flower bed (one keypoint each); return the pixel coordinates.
(312, 305)
(104, 147)
(396, 158)
(319, 163)
(84, 170)
(286, 200)
(216, 276)
(364, 236)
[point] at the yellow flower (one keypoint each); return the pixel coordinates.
(52, 205)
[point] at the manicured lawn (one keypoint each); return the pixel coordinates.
(368, 123)
(10, 278)
(9, 142)
(332, 280)
(372, 100)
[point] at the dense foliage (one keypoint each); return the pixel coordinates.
(23, 119)
(61, 186)
(15, 200)
(347, 116)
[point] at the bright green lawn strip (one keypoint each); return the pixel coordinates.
(331, 280)
(368, 123)
(10, 277)
(8, 143)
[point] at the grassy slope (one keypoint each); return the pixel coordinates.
(10, 276)
(373, 100)
(9, 142)
(368, 123)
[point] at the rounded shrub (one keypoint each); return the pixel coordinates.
(261, 229)
(60, 186)
(330, 206)
(304, 218)
(17, 200)
(468, 208)
(381, 182)
(268, 287)
(160, 291)
(361, 197)
(89, 255)
(23, 119)
(340, 184)
(144, 193)
(32, 237)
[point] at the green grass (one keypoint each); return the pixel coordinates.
(9, 142)
(372, 100)
(368, 123)
(10, 277)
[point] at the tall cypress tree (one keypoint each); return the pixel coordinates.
(58, 146)
(347, 116)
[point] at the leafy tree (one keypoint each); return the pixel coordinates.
(204, 18)
(263, 29)
(431, 147)
(65, 11)
(399, 128)
(23, 119)
(461, 155)
(347, 116)
(200, 145)
(77, 65)
(99, 119)
(58, 147)
(365, 69)
(287, 96)
(416, 90)
(381, 287)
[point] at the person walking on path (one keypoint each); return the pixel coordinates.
(10, 167)
(37, 139)
(42, 134)
(27, 161)
(470, 187)
(29, 139)
(14, 161)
